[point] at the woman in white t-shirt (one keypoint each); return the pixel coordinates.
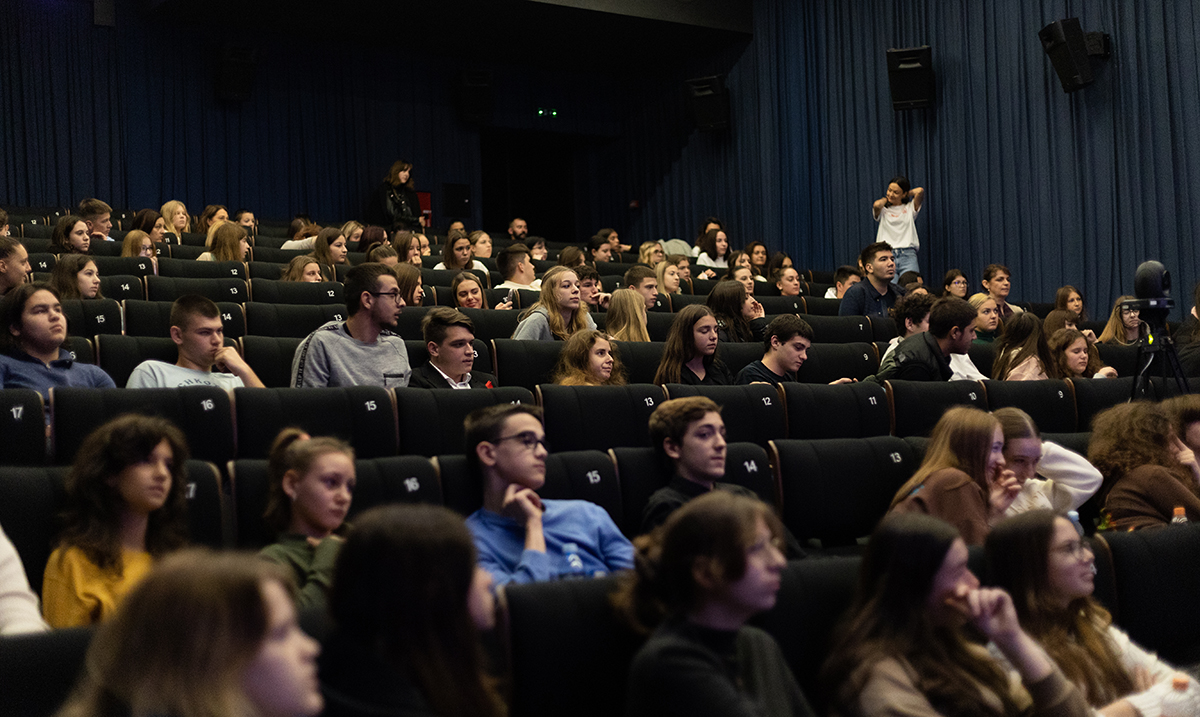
(714, 252)
(896, 213)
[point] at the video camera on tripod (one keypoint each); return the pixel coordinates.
(1152, 287)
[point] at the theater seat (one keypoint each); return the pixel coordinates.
(1158, 578)
(88, 317)
(641, 474)
(418, 355)
(983, 356)
(492, 323)
(737, 355)
(1122, 358)
(1049, 403)
(270, 357)
(836, 490)
(830, 362)
(294, 320)
(120, 265)
(363, 416)
(839, 329)
(584, 475)
(203, 413)
(640, 358)
(39, 670)
(754, 413)
(883, 328)
(855, 410)
(266, 270)
(153, 318)
(525, 363)
(1095, 395)
(42, 262)
(431, 421)
(120, 287)
(297, 292)
(462, 489)
(379, 481)
(601, 417)
(818, 306)
(658, 324)
(545, 623)
(23, 425)
(918, 405)
(162, 288)
(780, 304)
(203, 269)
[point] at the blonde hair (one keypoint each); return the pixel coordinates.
(574, 363)
(962, 439)
(132, 246)
(626, 317)
(295, 268)
(660, 270)
(645, 250)
(548, 301)
(168, 213)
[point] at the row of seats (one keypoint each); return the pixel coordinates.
(378, 422)
(1146, 580)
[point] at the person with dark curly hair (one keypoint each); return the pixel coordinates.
(126, 507)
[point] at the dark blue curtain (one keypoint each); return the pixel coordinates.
(1075, 188)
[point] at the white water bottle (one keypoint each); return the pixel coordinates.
(1182, 700)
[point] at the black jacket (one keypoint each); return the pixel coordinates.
(427, 376)
(917, 358)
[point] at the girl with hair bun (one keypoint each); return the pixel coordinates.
(311, 486)
(125, 509)
(698, 579)
(409, 604)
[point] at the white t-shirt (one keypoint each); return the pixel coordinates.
(475, 265)
(831, 292)
(159, 374)
(961, 364)
(897, 225)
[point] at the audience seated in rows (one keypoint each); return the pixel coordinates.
(911, 314)
(690, 353)
(876, 295)
(926, 355)
(199, 334)
(1022, 352)
(559, 312)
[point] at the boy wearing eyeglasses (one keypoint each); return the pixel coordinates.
(520, 537)
(362, 350)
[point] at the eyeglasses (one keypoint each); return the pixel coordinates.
(527, 439)
(395, 295)
(1076, 549)
(1130, 312)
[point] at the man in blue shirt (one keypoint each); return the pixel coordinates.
(33, 356)
(520, 537)
(876, 295)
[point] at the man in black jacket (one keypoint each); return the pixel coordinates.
(926, 356)
(448, 335)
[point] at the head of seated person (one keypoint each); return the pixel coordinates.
(481, 244)
(212, 215)
(330, 247)
(98, 216)
(245, 219)
(650, 253)
(138, 244)
(571, 256)
(786, 343)
(689, 438)
(303, 269)
(589, 358)
(14, 264)
(911, 313)
(599, 249)
(506, 446)
(456, 252)
(408, 279)
(241, 634)
(312, 481)
(668, 277)
(179, 221)
(449, 336)
(787, 280)
(1060, 319)
(151, 222)
(626, 318)
(382, 254)
(70, 236)
(229, 242)
(75, 276)
(516, 265)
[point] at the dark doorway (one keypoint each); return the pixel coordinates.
(529, 175)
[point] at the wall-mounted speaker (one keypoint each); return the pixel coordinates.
(475, 96)
(708, 99)
(910, 75)
(1066, 45)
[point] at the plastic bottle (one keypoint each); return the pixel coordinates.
(574, 562)
(1180, 517)
(1073, 516)
(1182, 700)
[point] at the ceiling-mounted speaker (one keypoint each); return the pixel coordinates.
(708, 99)
(1066, 46)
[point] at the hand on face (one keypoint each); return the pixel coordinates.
(521, 504)
(1003, 490)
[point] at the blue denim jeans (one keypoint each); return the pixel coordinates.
(906, 260)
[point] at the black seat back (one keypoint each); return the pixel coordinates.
(431, 421)
(855, 410)
(363, 416)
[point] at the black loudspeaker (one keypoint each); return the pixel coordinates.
(709, 101)
(235, 75)
(910, 74)
(475, 97)
(456, 201)
(1064, 42)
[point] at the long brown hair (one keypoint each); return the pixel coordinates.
(1021, 339)
(548, 301)
(726, 301)
(1063, 295)
(1018, 555)
(180, 642)
(681, 345)
(1062, 340)
(1114, 330)
(226, 242)
(294, 450)
(1130, 435)
(94, 505)
(719, 526)
(889, 619)
(65, 275)
(574, 368)
(401, 589)
(962, 439)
